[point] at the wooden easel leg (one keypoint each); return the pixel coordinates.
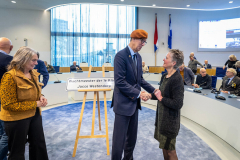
(93, 116)
(99, 118)
(106, 122)
(79, 124)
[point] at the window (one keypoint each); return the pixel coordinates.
(89, 33)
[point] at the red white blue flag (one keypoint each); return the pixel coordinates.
(155, 36)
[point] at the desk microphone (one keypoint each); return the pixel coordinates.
(219, 97)
(198, 91)
(57, 80)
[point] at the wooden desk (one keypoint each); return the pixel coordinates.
(64, 69)
(210, 72)
(156, 69)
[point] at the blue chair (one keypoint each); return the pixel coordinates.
(214, 81)
(163, 72)
(56, 68)
(220, 72)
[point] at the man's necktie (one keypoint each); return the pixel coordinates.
(135, 63)
(227, 81)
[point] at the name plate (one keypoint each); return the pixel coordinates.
(74, 84)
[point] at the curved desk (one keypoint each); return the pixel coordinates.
(218, 116)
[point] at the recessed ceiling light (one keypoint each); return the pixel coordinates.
(13, 1)
(122, 0)
(188, 5)
(154, 5)
(230, 1)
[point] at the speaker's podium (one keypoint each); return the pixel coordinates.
(87, 85)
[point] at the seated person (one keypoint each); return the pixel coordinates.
(237, 65)
(192, 64)
(231, 83)
(187, 75)
(203, 80)
(206, 65)
(144, 67)
(75, 67)
(50, 68)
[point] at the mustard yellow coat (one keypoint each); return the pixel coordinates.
(19, 95)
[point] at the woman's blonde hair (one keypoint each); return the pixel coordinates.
(233, 71)
(233, 57)
(21, 57)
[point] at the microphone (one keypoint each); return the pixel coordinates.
(219, 97)
(93, 70)
(57, 80)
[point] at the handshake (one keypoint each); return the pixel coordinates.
(146, 96)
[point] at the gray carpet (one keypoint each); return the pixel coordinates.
(60, 127)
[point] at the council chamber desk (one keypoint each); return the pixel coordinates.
(221, 117)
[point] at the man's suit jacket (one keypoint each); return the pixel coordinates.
(233, 87)
(188, 76)
(209, 66)
(42, 69)
(127, 83)
(74, 68)
(5, 60)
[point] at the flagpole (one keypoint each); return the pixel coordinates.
(156, 50)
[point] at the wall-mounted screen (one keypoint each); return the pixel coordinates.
(219, 35)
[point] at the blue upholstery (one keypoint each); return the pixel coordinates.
(220, 72)
(56, 68)
(214, 81)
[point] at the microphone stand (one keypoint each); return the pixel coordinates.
(58, 81)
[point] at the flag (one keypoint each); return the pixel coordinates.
(170, 33)
(155, 35)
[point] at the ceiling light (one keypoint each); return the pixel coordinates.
(154, 5)
(188, 5)
(230, 1)
(122, 0)
(13, 1)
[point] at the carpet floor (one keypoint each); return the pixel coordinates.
(60, 128)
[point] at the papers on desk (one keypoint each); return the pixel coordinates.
(238, 99)
(190, 89)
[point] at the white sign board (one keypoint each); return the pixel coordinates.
(74, 84)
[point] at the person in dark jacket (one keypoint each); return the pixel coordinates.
(75, 67)
(170, 101)
(231, 62)
(203, 80)
(5, 59)
(231, 83)
(207, 65)
(237, 65)
(41, 68)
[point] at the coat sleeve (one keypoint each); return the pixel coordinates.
(177, 90)
(191, 74)
(9, 96)
(45, 74)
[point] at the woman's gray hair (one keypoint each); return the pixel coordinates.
(21, 57)
(177, 56)
(237, 64)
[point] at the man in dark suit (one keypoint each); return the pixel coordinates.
(41, 68)
(206, 65)
(5, 59)
(231, 83)
(75, 67)
(127, 94)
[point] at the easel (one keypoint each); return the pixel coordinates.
(96, 94)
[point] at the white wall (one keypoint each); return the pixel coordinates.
(35, 26)
(17, 24)
(185, 33)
